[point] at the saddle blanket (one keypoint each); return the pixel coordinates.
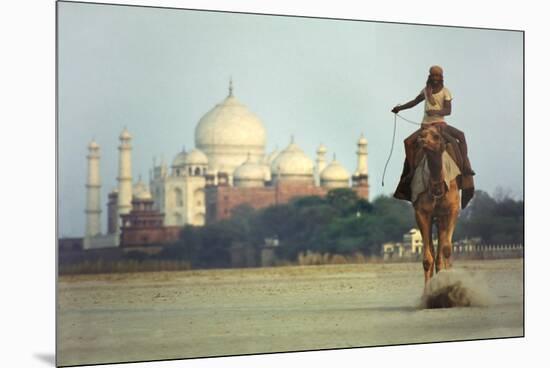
(421, 178)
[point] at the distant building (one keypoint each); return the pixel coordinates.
(229, 167)
(410, 248)
(143, 224)
(413, 242)
(392, 251)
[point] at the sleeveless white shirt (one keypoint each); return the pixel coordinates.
(439, 97)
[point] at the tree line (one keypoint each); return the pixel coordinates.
(339, 223)
(496, 220)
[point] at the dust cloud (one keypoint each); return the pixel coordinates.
(455, 288)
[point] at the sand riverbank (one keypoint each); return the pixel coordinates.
(165, 315)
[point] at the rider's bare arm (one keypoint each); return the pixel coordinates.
(446, 110)
(409, 104)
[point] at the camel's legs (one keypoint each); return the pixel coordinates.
(451, 224)
(424, 222)
(431, 243)
(445, 227)
(441, 242)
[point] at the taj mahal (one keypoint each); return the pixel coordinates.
(228, 167)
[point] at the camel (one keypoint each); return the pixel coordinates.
(438, 205)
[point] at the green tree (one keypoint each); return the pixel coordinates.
(343, 199)
(495, 221)
(339, 223)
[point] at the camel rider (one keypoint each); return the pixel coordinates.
(437, 105)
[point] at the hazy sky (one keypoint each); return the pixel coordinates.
(158, 71)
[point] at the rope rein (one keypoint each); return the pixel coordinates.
(409, 121)
(391, 150)
(393, 140)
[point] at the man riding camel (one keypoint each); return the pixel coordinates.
(437, 105)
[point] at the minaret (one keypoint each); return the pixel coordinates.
(320, 163)
(362, 156)
(360, 177)
(163, 167)
(93, 187)
(112, 208)
(124, 175)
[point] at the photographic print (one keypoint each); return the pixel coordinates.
(234, 183)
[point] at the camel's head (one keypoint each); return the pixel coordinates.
(430, 139)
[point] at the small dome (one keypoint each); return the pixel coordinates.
(292, 163)
(144, 195)
(196, 157)
(125, 134)
(362, 140)
(322, 148)
(334, 172)
(141, 191)
(250, 171)
(93, 145)
(179, 160)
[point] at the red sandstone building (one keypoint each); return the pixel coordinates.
(144, 225)
(291, 174)
(221, 200)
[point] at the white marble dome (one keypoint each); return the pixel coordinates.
(179, 160)
(335, 175)
(292, 164)
(249, 174)
(228, 132)
(141, 191)
(196, 157)
(144, 195)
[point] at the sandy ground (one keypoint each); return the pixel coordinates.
(164, 315)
